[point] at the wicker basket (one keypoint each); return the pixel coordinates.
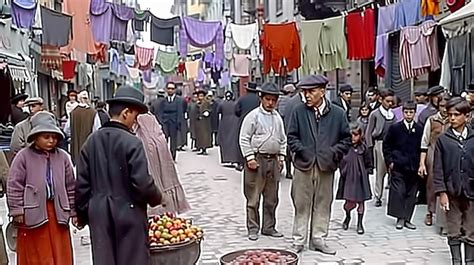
(229, 257)
(185, 253)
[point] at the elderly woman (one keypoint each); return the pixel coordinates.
(161, 165)
(40, 196)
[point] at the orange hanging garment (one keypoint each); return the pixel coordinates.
(281, 44)
(430, 7)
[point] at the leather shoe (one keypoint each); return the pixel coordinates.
(297, 248)
(273, 234)
(410, 225)
(378, 203)
(322, 247)
(253, 237)
(429, 219)
(400, 223)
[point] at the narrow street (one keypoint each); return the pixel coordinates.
(215, 194)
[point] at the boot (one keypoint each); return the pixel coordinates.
(455, 248)
(468, 254)
(345, 224)
(360, 226)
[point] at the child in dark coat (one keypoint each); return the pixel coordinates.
(354, 185)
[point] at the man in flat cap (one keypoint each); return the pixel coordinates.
(23, 128)
(344, 99)
(114, 186)
(435, 95)
(401, 150)
(318, 136)
(17, 113)
(263, 145)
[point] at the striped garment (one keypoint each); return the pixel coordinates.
(419, 50)
(144, 57)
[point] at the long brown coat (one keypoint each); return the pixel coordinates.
(202, 113)
(82, 123)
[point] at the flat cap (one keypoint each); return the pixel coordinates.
(421, 91)
(345, 88)
(409, 105)
(313, 81)
(435, 90)
(470, 88)
(34, 101)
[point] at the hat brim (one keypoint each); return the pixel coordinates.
(274, 93)
(31, 136)
(141, 107)
(313, 87)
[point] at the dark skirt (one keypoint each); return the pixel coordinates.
(354, 182)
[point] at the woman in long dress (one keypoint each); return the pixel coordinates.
(161, 165)
(228, 129)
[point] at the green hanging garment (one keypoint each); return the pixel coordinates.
(166, 62)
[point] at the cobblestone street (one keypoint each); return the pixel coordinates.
(215, 194)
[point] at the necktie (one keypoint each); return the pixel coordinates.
(169, 99)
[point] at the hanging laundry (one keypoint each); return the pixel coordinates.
(225, 79)
(155, 79)
(144, 57)
(83, 80)
(418, 50)
(166, 62)
(134, 74)
(202, 34)
(69, 69)
(455, 5)
(459, 61)
(281, 50)
(192, 69)
(243, 37)
(209, 59)
(142, 17)
(201, 75)
(393, 78)
(57, 27)
(114, 61)
(109, 21)
(430, 7)
(239, 66)
(23, 13)
(129, 59)
(83, 41)
(360, 28)
(162, 30)
(324, 45)
(216, 75)
(147, 75)
(385, 24)
(50, 57)
(407, 13)
(181, 68)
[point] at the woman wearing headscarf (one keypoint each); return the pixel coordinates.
(229, 148)
(40, 196)
(161, 165)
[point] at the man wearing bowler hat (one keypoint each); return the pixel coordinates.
(435, 95)
(263, 145)
(114, 187)
(344, 99)
(318, 136)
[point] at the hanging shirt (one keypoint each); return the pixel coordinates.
(23, 13)
(407, 13)
(144, 57)
(141, 19)
(333, 45)
(192, 69)
(360, 28)
(385, 24)
(57, 27)
(243, 37)
(281, 50)
(429, 7)
(202, 34)
(239, 66)
(166, 61)
(162, 30)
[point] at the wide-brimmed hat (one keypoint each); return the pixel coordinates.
(129, 95)
(18, 97)
(313, 81)
(43, 122)
(34, 101)
(269, 89)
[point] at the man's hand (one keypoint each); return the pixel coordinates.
(281, 163)
(444, 201)
(75, 223)
(252, 164)
(390, 167)
(19, 219)
(422, 170)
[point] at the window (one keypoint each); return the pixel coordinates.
(279, 6)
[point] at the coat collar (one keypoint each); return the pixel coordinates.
(118, 125)
(470, 133)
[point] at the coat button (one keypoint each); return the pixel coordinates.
(132, 206)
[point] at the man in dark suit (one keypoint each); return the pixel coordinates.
(401, 149)
(344, 99)
(171, 113)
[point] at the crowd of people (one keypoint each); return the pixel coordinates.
(111, 164)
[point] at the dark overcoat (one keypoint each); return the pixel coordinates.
(192, 118)
(228, 129)
(184, 128)
(243, 106)
(203, 124)
(338, 101)
(113, 189)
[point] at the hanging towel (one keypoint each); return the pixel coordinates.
(162, 30)
(50, 57)
(143, 57)
(310, 32)
(192, 69)
(278, 47)
(202, 34)
(240, 65)
(244, 37)
(57, 27)
(167, 61)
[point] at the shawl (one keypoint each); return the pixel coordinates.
(160, 164)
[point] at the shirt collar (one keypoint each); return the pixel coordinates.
(321, 107)
(262, 110)
(388, 114)
(463, 134)
(409, 125)
(171, 97)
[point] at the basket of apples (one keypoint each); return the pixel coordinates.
(173, 240)
(260, 257)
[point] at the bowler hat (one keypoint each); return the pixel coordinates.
(435, 90)
(305, 160)
(421, 91)
(313, 81)
(251, 86)
(18, 97)
(345, 88)
(129, 95)
(43, 122)
(269, 89)
(34, 101)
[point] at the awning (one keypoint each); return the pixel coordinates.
(19, 73)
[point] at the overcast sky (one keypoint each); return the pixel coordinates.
(160, 8)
